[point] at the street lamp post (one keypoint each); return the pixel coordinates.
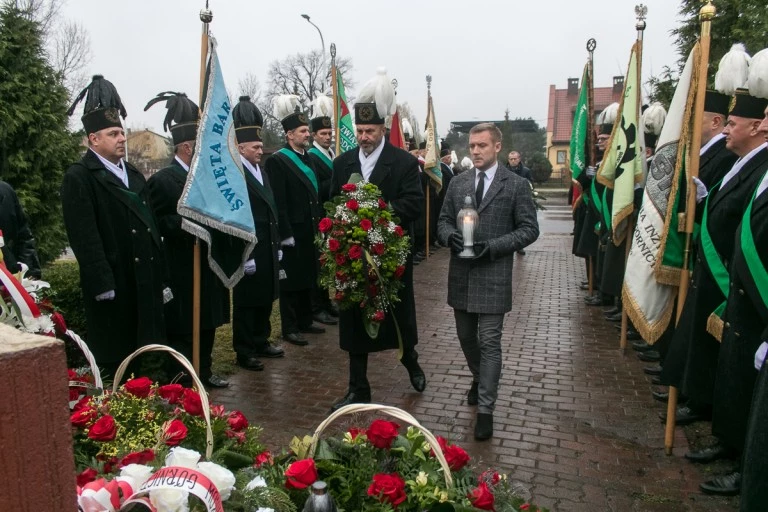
(322, 44)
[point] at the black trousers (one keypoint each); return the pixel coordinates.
(358, 370)
(295, 310)
(251, 329)
(183, 343)
(321, 301)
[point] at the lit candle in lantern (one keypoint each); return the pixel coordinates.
(467, 221)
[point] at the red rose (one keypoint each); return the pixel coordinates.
(382, 204)
(341, 276)
(139, 386)
(340, 259)
(104, 429)
(352, 205)
(399, 231)
(239, 436)
(355, 252)
(110, 464)
(333, 245)
(217, 411)
(378, 316)
(349, 187)
(354, 432)
(171, 392)
(83, 403)
(174, 432)
(481, 497)
(489, 476)
(399, 271)
(191, 402)
(381, 433)
(365, 225)
(264, 457)
(237, 421)
(83, 417)
(74, 393)
(86, 476)
(301, 474)
(455, 456)
(59, 325)
(372, 290)
(378, 249)
(388, 487)
(325, 225)
(525, 506)
(339, 296)
(141, 457)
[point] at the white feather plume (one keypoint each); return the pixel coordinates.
(322, 106)
(407, 128)
(466, 163)
(379, 90)
(285, 105)
(653, 118)
(609, 114)
(733, 70)
(758, 75)
(454, 158)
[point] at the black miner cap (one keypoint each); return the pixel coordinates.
(182, 117)
(248, 121)
(717, 103)
(745, 105)
(103, 107)
(445, 149)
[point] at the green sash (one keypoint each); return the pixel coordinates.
(748, 247)
(595, 198)
(322, 156)
(293, 157)
(606, 211)
(718, 270)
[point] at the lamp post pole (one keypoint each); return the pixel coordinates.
(322, 44)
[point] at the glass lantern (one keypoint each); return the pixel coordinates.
(467, 222)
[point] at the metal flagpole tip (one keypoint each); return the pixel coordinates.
(206, 15)
(707, 13)
(394, 83)
(333, 50)
(641, 12)
(591, 44)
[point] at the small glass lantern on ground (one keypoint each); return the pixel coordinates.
(319, 499)
(467, 222)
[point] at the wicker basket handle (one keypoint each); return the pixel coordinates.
(186, 364)
(395, 413)
(88, 356)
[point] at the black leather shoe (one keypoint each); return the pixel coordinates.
(418, 380)
(709, 454)
(483, 426)
(217, 381)
(584, 283)
(521, 252)
(641, 346)
(597, 301)
(472, 394)
(270, 351)
(312, 329)
(656, 381)
(725, 485)
(686, 415)
(661, 396)
(652, 370)
(584, 287)
(612, 311)
(324, 318)
(333, 310)
(250, 363)
(614, 318)
(296, 338)
(352, 398)
(633, 335)
(649, 356)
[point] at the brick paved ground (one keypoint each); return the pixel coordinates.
(575, 422)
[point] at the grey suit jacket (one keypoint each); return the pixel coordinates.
(507, 222)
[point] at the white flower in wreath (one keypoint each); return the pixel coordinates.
(135, 475)
(40, 325)
(182, 457)
(262, 509)
(222, 478)
(256, 482)
(170, 500)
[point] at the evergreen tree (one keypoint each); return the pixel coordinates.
(35, 145)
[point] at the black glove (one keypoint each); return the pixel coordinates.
(456, 242)
(482, 251)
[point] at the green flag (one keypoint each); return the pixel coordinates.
(580, 128)
(346, 131)
(432, 160)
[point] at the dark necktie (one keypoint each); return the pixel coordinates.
(480, 188)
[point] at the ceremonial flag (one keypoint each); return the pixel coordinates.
(215, 195)
(656, 253)
(396, 132)
(580, 130)
(432, 160)
(624, 163)
(345, 129)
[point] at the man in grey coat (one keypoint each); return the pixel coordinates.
(480, 289)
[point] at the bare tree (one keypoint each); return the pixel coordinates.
(45, 12)
(407, 113)
(250, 86)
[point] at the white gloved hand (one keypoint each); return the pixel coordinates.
(701, 189)
(110, 295)
(591, 171)
(288, 242)
(250, 267)
(279, 255)
(760, 355)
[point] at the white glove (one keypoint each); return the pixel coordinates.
(760, 355)
(279, 255)
(250, 267)
(701, 189)
(591, 171)
(110, 295)
(288, 242)
(167, 295)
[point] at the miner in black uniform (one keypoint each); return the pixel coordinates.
(114, 235)
(296, 189)
(18, 242)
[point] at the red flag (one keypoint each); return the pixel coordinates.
(396, 132)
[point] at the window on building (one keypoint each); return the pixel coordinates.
(561, 156)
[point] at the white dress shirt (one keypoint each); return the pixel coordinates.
(711, 143)
(255, 171)
(181, 163)
(367, 163)
(117, 170)
(740, 163)
(327, 152)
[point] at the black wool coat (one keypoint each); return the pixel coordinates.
(397, 175)
(165, 189)
(754, 492)
(715, 163)
(19, 243)
(324, 174)
(261, 288)
(114, 236)
(299, 211)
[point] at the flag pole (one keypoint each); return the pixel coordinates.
(591, 45)
(426, 189)
(206, 16)
(706, 14)
(336, 106)
(641, 11)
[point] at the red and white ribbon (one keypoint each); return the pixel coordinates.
(180, 479)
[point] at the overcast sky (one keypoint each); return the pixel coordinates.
(484, 55)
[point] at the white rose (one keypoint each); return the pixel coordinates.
(256, 482)
(261, 509)
(135, 475)
(182, 457)
(422, 479)
(221, 477)
(170, 500)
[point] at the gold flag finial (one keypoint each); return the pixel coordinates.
(708, 11)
